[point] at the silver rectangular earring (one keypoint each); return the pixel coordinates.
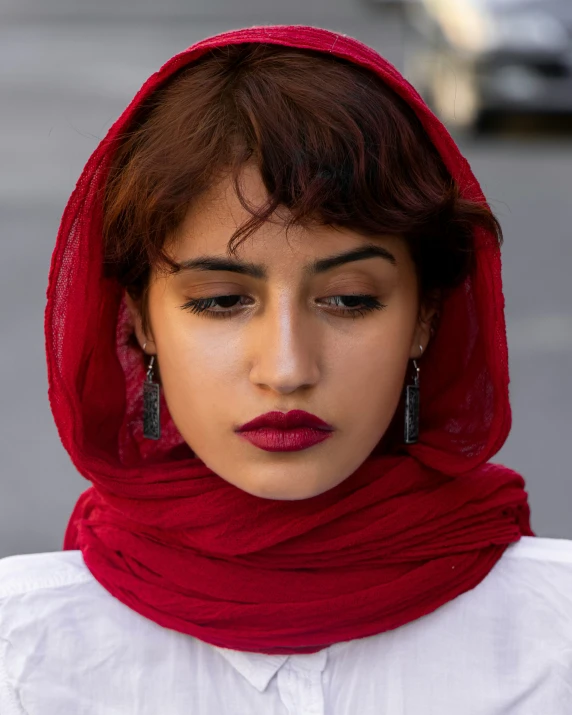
(151, 414)
(412, 409)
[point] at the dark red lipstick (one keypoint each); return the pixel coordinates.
(285, 431)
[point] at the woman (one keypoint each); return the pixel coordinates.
(276, 348)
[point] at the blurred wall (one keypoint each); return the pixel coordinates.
(242, 10)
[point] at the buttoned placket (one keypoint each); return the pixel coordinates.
(300, 683)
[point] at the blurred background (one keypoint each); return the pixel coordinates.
(498, 72)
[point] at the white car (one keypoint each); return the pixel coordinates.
(475, 59)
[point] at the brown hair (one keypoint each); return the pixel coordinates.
(332, 142)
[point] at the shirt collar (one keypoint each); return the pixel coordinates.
(257, 668)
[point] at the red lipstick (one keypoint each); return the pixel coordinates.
(285, 432)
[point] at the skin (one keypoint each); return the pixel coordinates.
(286, 345)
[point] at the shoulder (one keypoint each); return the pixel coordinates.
(537, 564)
(541, 550)
(27, 573)
(545, 558)
(36, 592)
(532, 581)
(54, 588)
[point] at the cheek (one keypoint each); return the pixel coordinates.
(370, 368)
(197, 365)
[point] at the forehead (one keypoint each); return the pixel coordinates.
(216, 214)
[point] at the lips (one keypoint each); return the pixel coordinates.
(285, 432)
(294, 419)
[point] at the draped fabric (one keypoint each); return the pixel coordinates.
(173, 541)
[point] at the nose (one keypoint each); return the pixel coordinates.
(286, 349)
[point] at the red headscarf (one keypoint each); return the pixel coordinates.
(181, 546)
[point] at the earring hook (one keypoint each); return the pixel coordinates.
(150, 368)
(416, 378)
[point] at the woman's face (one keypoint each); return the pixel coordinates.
(289, 338)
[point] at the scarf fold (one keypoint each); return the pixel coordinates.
(166, 536)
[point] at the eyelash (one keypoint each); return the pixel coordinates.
(203, 305)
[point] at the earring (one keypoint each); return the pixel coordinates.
(151, 415)
(412, 407)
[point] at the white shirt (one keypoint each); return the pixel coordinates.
(67, 647)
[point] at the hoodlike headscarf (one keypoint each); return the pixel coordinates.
(173, 541)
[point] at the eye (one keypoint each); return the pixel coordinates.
(205, 305)
(359, 304)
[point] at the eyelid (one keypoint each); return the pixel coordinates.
(216, 288)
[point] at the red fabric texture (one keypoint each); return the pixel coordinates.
(181, 546)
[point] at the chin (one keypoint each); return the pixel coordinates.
(283, 489)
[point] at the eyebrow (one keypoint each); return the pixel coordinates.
(256, 270)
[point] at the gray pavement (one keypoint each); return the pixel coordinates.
(64, 79)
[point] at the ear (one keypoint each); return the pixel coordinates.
(424, 328)
(143, 338)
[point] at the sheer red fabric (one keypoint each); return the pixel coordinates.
(179, 545)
